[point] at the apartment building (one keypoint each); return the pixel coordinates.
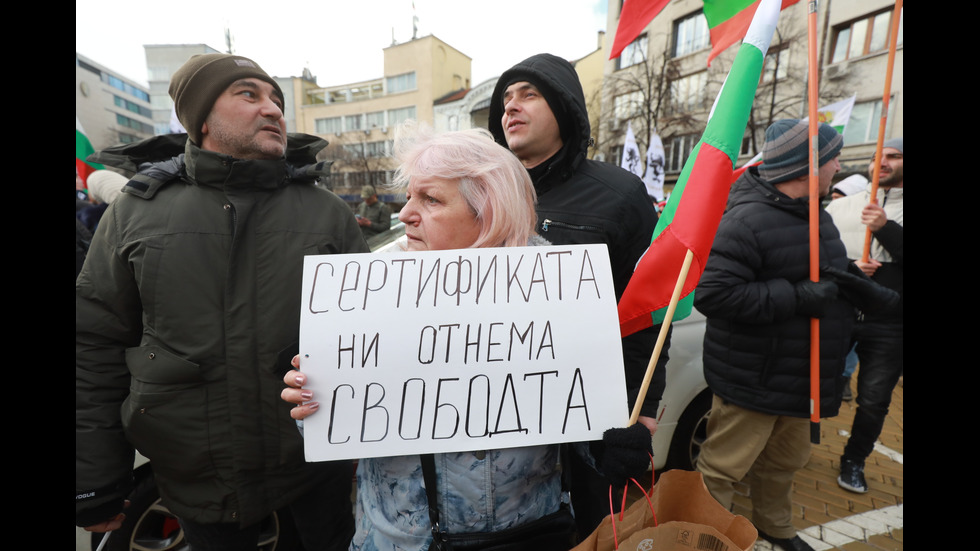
(662, 82)
(358, 118)
(111, 108)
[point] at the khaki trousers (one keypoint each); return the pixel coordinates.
(767, 448)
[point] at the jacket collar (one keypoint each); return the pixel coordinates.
(208, 168)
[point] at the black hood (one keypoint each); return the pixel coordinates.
(559, 75)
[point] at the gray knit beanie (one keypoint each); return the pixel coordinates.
(897, 143)
(786, 152)
(198, 83)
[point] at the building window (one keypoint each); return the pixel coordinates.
(379, 178)
(401, 83)
(678, 149)
(688, 93)
(355, 150)
(634, 53)
(356, 179)
(616, 154)
(354, 122)
(776, 65)
(398, 116)
(134, 124)
(375, 149)
(329, 125)
(128, 138)
(691, 34)
(130, 106)
(864, 36)
(863, 125)
(118, 84)
(627, 106)
(374, 120)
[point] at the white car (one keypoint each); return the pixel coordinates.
(687, 399)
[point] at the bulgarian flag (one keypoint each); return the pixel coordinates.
(692, 214)
(634, 17)
(83, 148)
(728, 21)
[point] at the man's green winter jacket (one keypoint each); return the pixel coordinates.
(186, 314)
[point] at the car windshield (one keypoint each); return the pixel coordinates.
(385, 238)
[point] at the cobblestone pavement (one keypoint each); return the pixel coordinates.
(831, 518)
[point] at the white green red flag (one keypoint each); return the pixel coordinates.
(690, 219)
(837, 114)
(729, 20)
(83, 148)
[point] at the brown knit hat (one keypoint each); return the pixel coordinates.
(198, 83)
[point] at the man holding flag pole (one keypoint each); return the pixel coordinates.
(755, 291)
(758, 300)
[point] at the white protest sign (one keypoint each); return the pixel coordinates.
(460, 350)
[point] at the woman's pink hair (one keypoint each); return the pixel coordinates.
(492, 181)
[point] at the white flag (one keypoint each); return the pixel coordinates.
(654, 175)
(837, 114)
(631, 153)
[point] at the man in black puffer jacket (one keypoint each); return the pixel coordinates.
(538, 111)
(758, 299)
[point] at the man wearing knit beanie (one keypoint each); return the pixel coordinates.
(239, 88)
(880, 335)
(759, 300)
(185, 322)
(786, 155)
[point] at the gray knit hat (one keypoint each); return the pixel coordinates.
(897, 143)
(786, 152)
(198, 83)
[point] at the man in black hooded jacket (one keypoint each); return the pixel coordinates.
(538, 111)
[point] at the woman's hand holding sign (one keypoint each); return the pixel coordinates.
(296, 394)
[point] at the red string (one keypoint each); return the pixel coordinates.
(612, 518)
(622, 510)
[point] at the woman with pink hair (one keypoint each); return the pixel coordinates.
(463, 190)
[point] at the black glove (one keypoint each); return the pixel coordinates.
(623, 453)
(812, 297)
(102, 513)
(859, 289)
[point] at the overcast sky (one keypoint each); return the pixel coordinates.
(341, 41)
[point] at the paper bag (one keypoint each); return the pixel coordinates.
(685, 511)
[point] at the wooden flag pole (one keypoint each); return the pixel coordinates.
(883, 121)
(675, 297)
(814, 221)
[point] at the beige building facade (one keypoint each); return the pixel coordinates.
(358, 119)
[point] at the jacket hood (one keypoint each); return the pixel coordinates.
(301, 149)
(560, 76)
(157, 161)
